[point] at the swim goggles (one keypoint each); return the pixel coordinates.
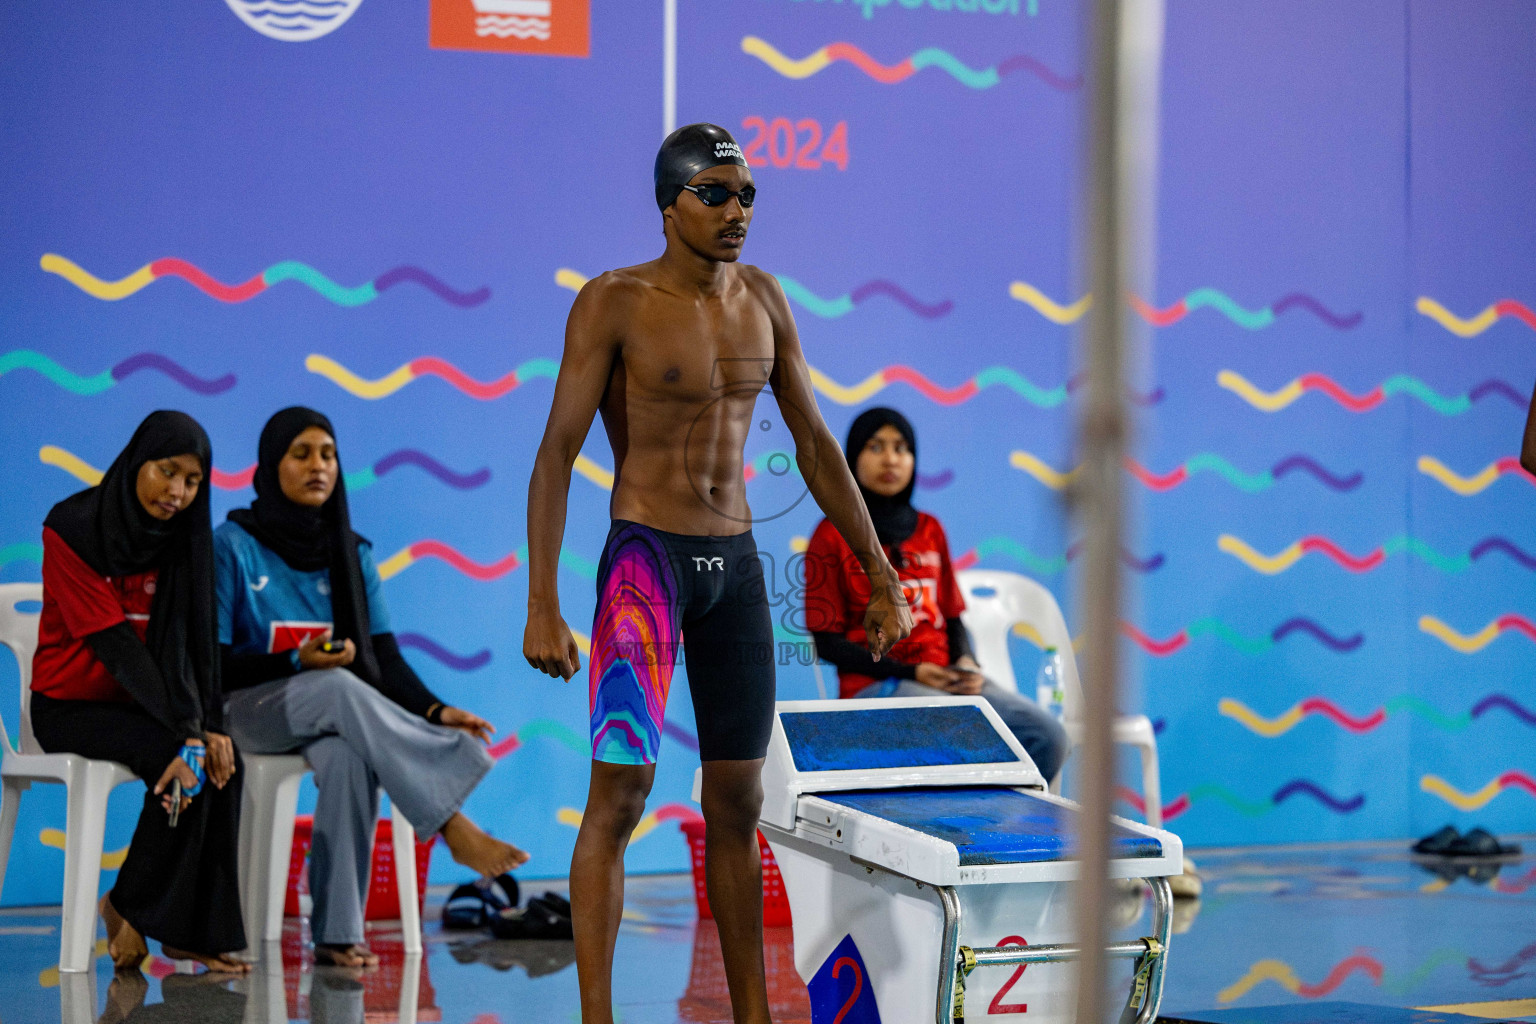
(717, 195)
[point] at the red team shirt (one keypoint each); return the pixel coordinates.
(79, 601)
(837, 593)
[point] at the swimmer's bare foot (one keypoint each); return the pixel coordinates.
(124, 943)
(226, 963)
(469, 845)
(344, 954)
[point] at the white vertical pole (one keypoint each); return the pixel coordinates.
(1123, 55)
(668, 67)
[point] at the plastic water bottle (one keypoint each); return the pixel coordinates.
(1049, 693)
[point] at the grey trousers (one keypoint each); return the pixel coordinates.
(1038, 732)
(355, 739)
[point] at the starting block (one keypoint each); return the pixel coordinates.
(928, 869)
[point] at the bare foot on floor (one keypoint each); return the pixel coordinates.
(344, 955)
(124, 943)
(124, 996)
(469, 845)
(226, 963)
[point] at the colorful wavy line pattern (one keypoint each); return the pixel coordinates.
(1466, 486)
(828, 309)
(224, 480)
(435, 650)
(1204, 462)
(1248, 808)
(853, 394)
(288, 270)
(21, 553)
(546, 728)
(1504, 973)
(890, 74)
(1471, 643)
(1048, 307)
(1282, 974)
(1282, 560)
(1040, 565)
(831, 309)
(593, 472)
(1246, 644)
(1401, 384)
(992, 376)
(430, 366)
(409, 555)
(27, 359)
(935, 481)
(667, 812)
(1473, 326)
(1200, 298)
(1476, 801)
(1284, 723)
(111, 860)
(1516, 886)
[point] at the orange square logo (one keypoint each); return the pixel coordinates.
(556, 28)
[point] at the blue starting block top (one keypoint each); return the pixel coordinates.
(911, 737)
(990, 824)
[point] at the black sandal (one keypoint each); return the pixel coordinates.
(1438, 843)
(538, 920)
(559, 904)
(473, 904)
(1481, 843)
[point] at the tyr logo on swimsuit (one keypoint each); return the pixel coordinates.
(700, 562)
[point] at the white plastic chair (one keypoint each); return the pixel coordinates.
(268, 807)
(995, 602)
(87, 782)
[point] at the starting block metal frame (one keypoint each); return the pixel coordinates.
(907, 830)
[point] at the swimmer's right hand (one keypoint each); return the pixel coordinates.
(887, 619)
(549, 646)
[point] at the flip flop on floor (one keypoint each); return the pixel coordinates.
(1437, 843)
(1481, 843)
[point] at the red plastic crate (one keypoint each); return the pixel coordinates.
(775, 902)
(383, 899)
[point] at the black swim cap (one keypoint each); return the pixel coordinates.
(687, 151)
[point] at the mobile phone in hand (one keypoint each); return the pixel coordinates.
(333, 647)
(175, 801)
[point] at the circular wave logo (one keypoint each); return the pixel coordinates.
(294, 21)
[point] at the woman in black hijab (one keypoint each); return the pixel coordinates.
(936, 656)
(127, 670)
(312, 665)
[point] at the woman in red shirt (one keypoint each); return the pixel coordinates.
(127, 670)
(936, 657)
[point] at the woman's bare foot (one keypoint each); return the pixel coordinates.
(124, 943)
(226, 963)
(124, 995)
(341, 954)
(469, 845)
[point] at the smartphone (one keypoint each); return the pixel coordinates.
(175, 801)
(333, 647)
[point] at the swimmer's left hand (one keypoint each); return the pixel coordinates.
(458, 718)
